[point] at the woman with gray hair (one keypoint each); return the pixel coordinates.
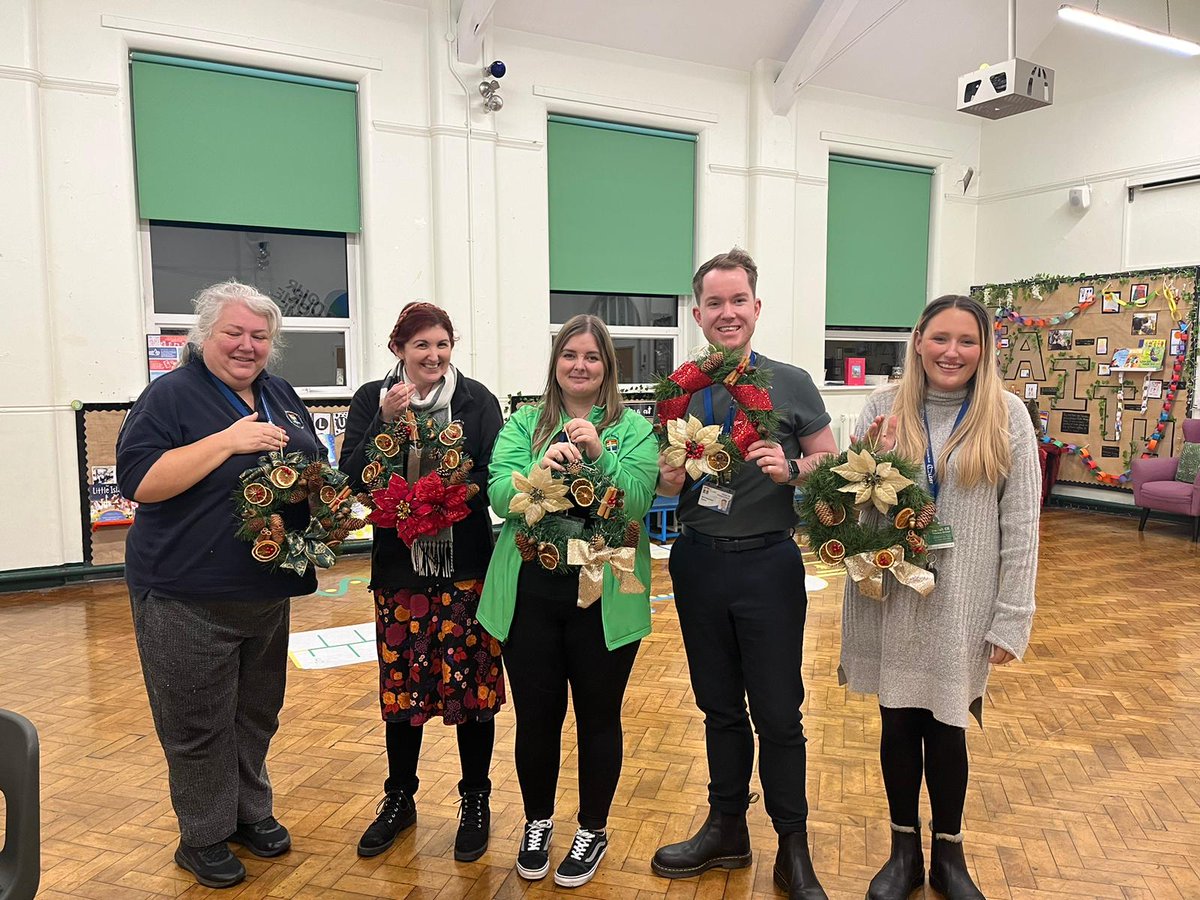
(211, 622)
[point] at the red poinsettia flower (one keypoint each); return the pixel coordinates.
(394, 508)
(440, 505)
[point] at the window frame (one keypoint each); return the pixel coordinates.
(346, 326)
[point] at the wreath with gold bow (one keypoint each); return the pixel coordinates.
(703, 449)
(426, 504)
(281, 480)
(842, 487)
(576, 520)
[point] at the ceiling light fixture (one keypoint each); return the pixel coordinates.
(1110, 25)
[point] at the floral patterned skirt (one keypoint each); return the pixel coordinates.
(435, 659)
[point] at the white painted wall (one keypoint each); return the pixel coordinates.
(69, 247)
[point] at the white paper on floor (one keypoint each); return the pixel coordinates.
(330, 647)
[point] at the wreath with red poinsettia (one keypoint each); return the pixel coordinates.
(432, 502)
(704, 449)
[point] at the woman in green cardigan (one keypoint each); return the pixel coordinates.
(550, 639)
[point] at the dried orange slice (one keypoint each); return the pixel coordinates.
(328, 495)
(387, 445)
(283, 477)
(451, 459)
(548, 556)
(719, 461)
(265, 551)
(258, 494)
(832, 552)
(451, 434)
(583, 491)
(885, 559)
(371, 472)
(904, 518)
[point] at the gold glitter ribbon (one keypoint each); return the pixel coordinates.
(869, 577)
(592, 562)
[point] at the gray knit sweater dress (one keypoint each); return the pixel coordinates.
(932, 652)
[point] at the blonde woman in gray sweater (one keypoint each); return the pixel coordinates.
(928, 658)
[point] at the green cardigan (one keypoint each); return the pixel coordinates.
(632, 465)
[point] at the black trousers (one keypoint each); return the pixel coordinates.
(553, 644)
(742, 617)
(475, 742)
(215, 674)
(913, 741)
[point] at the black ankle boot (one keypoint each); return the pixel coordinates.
(948, 873)
(723, 840)
(904, 871)
(396, 812)
(474, 824)
(794, 869)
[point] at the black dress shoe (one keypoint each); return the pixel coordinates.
(266, 838)
(396, 812)
(214, 866)
(948, 873)
(723, 841)
(904, 871)
(794, 869)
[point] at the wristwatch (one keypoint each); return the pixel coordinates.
(793, 470)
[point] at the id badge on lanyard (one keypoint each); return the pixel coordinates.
(939, 536)
(718, 498)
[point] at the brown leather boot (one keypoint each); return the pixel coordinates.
(794, 869)
(723, 841)
(904, 871)
(948, 873)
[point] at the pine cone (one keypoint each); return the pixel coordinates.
(824, 510)
(278, 532)
(338, 535)
(633, 531)
(352, 525)
(311, 471)
(295, 496)
(458, 477)
(256, 524)
(597, 542)
(314, 483)
(327, 523)
(527, 547)
(925, 516)
(713, 363)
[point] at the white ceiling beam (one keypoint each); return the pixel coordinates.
(472, 26)
(810, 51)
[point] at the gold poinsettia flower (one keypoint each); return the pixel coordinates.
(871, 481)
(537, 495)
(692, 445)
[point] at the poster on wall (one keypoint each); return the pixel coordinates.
(162, 353)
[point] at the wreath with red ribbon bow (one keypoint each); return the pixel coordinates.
(701, 449)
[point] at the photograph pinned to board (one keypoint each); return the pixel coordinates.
(1103, 369)
(1144, 323)
(1177, 343)
(1025, 372)
(1087, 295)
(1152, 389)
(1111, 302)
(1060, 339)
(1102, 346)
(1139, 294)
(1003, 343)
(1031, 390)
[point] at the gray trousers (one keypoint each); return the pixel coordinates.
(215, 673)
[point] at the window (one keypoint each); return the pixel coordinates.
(646, 330)
(883, 351)
(306, 273)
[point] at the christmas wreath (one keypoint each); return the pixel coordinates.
(280, 480)
(703, 449)
(599, 534)
(839, 488)
(431, 502)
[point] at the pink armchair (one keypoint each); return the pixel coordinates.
(1155, 487)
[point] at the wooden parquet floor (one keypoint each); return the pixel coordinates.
(1085, 779)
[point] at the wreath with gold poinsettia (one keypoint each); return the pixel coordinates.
(839, 488)
(431, 502)
(280, 480)
(561, 542)
(703, 449)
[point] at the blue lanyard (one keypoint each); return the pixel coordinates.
(238, 403)
(930, 469)
(710, 418)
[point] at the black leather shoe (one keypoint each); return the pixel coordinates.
(474, 823)
(722, 841)
(214, 866)
(266, 838)
(948, 873)
(396, 812)
(794, 869)
(904, 871)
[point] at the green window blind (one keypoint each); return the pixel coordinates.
(877, 257)
(234, 146)
(622, 208)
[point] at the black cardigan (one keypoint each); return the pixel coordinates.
(479, 411)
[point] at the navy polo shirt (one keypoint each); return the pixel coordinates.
(185, 548)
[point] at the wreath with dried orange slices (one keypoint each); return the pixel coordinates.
(280, 480)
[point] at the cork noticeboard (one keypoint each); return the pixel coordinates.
(104, 514)
(1105, 363)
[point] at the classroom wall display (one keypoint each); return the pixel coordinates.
(1110, 361)
(106, 515)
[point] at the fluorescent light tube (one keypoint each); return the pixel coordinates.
(1125, 30)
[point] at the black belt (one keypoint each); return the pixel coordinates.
(737, 545)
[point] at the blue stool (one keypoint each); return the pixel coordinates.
(662, 508)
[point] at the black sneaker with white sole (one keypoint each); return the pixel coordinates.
(584, 858)
(533, 859)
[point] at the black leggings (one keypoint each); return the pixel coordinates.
(475, 740)
(906, 733)
(551, 644)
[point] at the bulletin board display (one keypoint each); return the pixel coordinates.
(1105, 363)
(104, 514)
